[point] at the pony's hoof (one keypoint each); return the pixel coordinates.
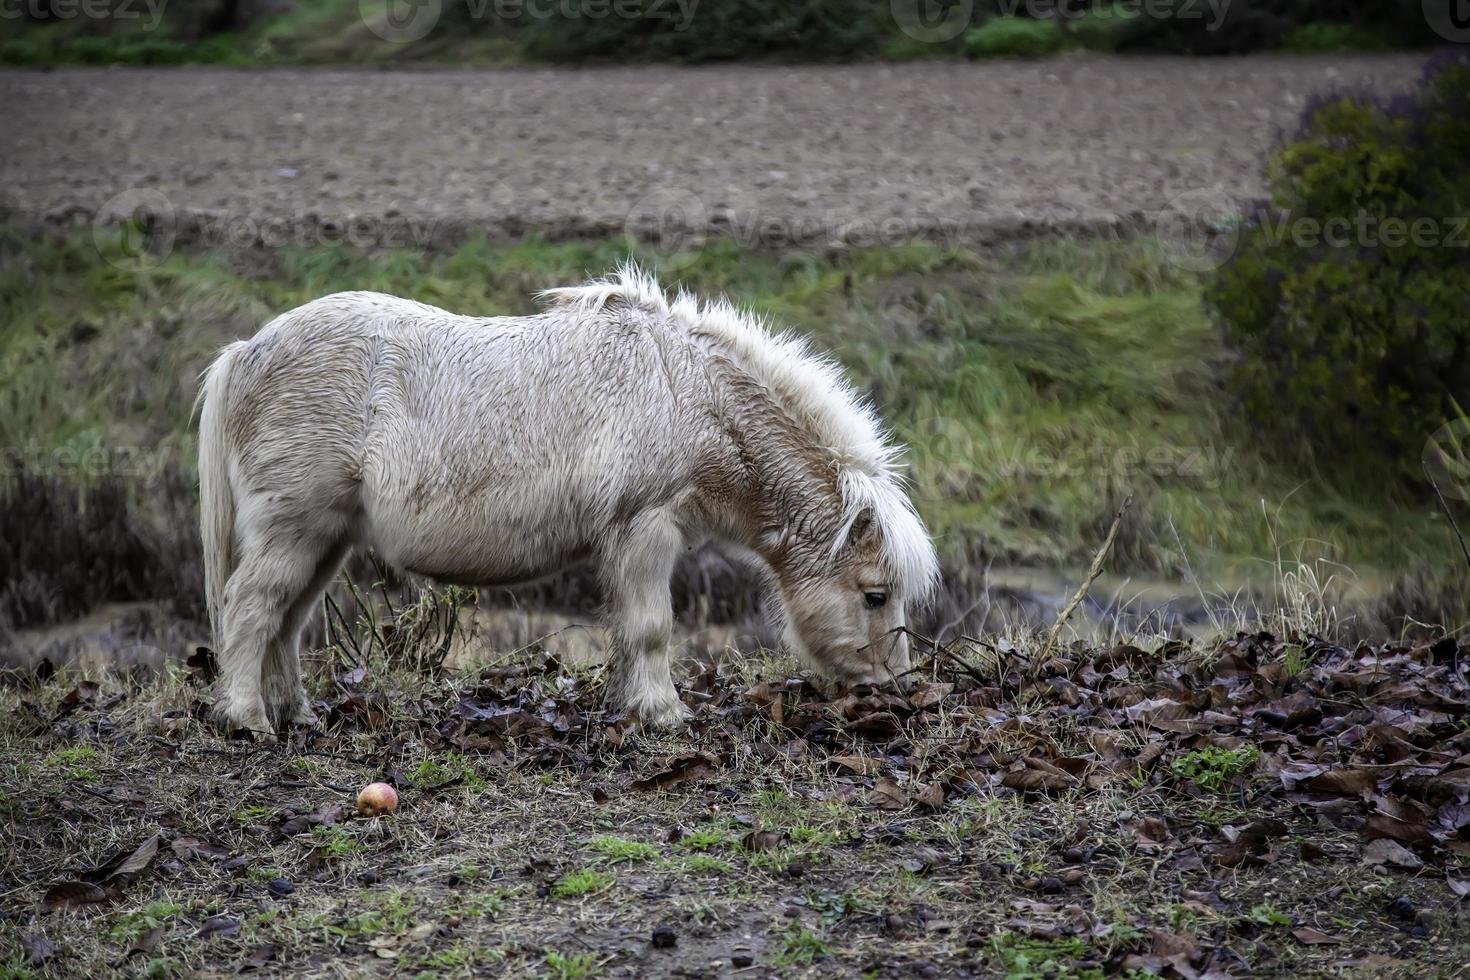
(666, 717)
(305, 717)
(231, 719)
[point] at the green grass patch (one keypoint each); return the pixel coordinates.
(620, 850)
(576, 884)
(570, 966)
(705, 839)
(1024, 958)
(697, 864)
(798, 946)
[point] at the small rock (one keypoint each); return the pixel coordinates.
(1401, 908)
(1074, 855)
(1051, 884)
(741, 960)
(664, 938)
(280, 887)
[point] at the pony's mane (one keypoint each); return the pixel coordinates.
(813, 391)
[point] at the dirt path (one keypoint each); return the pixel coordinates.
(962, 152)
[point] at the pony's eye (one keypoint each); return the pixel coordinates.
(875, 600)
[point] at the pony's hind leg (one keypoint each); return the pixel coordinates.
(281, 557)
(285, 696)
(636, 566)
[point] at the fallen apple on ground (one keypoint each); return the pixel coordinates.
(377, 799)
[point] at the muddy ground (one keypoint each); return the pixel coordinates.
(866, 153)
(1261, 806)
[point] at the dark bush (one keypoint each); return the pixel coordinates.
(718, 30)
(1191, 27)
(1355, 339)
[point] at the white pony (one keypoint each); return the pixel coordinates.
(615, 426)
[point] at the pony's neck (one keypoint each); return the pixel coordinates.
(779, 492)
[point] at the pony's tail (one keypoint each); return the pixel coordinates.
(216, 497)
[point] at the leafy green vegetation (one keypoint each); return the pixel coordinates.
(1212, 767)
(1348, 295)
(1014, 36)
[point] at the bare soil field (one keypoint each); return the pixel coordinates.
(968, 153)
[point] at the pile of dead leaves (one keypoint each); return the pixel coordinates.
(1375, 739)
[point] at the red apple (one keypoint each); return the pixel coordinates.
(377, 799)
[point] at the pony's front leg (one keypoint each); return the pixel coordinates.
(636, 565)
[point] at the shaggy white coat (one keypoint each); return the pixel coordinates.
(616, 426)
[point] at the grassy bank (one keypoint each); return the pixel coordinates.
(1036, 386)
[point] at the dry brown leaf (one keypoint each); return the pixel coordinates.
(682, 769)
(1385, 851)
(863, 765)
(763, 841)
(218, 925)
(887, 795)
(1038, 780)
(70, 894)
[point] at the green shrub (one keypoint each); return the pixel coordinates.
(1192, 27)
(22, 51)
(1320, 36)
(1357, 343)
(1014, 36)
(1099, 29)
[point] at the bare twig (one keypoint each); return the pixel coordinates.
(1092, 576)
(1447, 513)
